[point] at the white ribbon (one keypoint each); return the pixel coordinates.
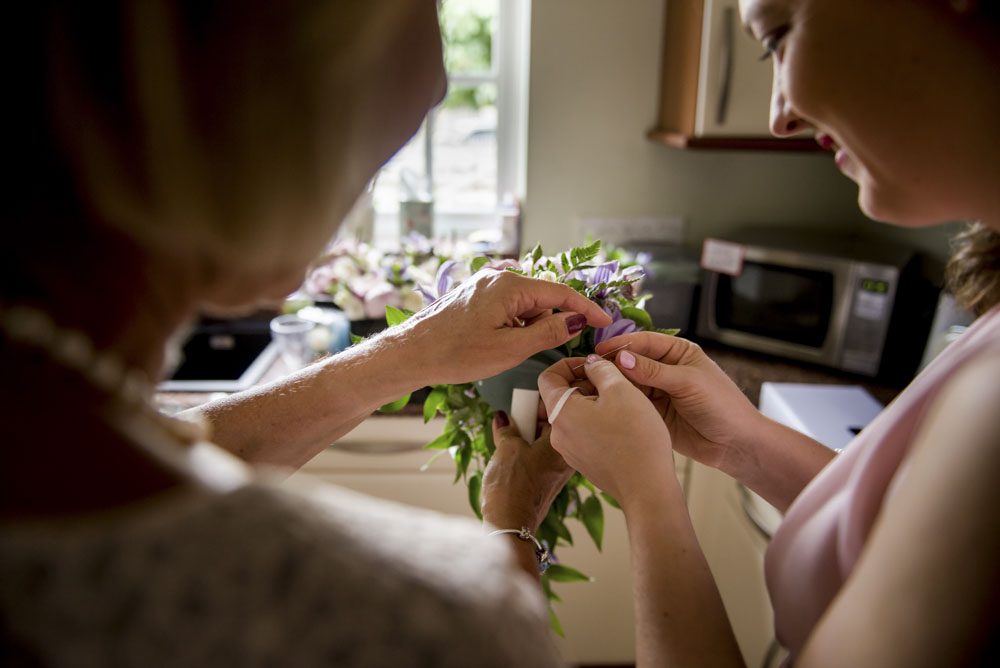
(559, 404)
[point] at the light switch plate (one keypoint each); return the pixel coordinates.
(619, 231)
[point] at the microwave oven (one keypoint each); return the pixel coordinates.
(859, 305)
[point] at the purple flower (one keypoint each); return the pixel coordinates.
(501, 265)
(443, 282)
(619, 325)
(602, 273)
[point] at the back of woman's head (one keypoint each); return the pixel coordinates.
(233, 131)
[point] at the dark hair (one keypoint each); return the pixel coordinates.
(974, 269)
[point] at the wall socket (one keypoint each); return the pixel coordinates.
(621, 231)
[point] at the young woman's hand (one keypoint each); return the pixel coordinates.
(493, 322)
(708, 416)
(615, 437)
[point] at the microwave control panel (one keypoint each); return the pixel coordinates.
(874, 292)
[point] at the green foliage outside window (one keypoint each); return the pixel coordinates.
(467, 27)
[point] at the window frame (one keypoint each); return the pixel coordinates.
(509, 73)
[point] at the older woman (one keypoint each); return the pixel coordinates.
(175, 157)
(889, 555)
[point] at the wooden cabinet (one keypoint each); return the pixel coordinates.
(715, 89)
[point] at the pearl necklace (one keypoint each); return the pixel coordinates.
(105, 371)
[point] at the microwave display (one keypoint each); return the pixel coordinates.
(785, 303)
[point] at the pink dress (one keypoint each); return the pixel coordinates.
(825, 529)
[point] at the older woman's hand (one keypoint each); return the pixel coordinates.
(522, 479)
(493, 322)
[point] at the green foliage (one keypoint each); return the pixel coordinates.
(395, 406)
(467, 27)
(468, 418)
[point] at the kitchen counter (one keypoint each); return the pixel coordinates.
(749, 369)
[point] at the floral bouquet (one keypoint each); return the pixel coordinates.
(362, 281)
(610, 278)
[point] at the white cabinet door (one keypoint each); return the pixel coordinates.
(734, 84)
(734, 548)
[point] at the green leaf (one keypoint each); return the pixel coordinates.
(356, 339)
(592, 514)
(475, 487)
(573, 343)
(589, 252)
(478, 263)
(674, 331)
(395, 316)
(463, 455)
(396, 405)
(546, 534)
(558, 527)
(536, 253)
(638, 316)
(443, 441)
(561, 573)
(434, 402)
(554, 623)
(564, 260)
(611, 501)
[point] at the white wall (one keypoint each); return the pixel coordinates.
(595, 69)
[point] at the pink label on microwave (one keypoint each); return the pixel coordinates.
(724, 257)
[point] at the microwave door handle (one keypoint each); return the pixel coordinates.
(845, 279)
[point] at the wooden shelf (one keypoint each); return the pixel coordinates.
(678, 139)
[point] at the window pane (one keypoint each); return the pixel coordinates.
(468, 27)
(465, 150)
(388, 191)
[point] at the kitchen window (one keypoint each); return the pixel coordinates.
(469, 154)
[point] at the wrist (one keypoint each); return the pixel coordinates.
(651, 496)
(387, 368)
(741, 459)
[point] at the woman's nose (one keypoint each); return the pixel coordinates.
(784, 121)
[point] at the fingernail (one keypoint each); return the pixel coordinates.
(591, 358)
(575, 323)
(627, 359)
(501, 419)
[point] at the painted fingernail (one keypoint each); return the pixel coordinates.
(627, 359)
(591, 358)
(500, 419)
(575, 323)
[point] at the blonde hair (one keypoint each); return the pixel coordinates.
(973, 271)
(223, 129)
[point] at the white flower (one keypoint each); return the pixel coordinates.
(412, 300)
(380, 296)
(344, 268)
(353, 307)
(319, 339)
(547, 275)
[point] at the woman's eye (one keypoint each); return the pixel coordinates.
(772, 41)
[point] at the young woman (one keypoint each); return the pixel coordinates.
(889, 555)
(172, 157)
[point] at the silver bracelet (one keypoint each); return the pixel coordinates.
(542, 552)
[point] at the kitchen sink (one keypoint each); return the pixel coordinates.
(223, 355)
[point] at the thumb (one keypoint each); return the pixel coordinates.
(505, 433)
(603, 374)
